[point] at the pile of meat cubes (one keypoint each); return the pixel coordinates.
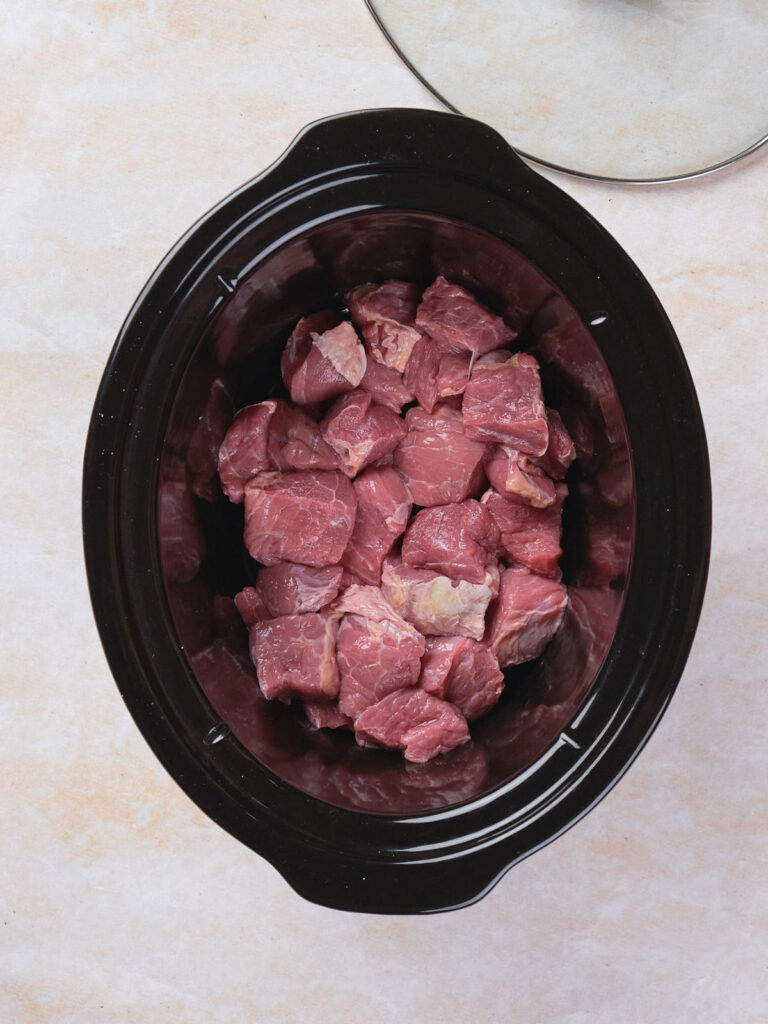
(405, 558)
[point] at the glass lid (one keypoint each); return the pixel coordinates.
(629, 90)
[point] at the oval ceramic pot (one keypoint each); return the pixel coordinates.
(366, 197)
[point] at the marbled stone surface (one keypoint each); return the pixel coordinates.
(121, 902)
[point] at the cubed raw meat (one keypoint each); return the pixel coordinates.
(458, 540)
(414, 721)
(504, 403)
(243, 452)
(360, 430)
(251, 606)
(529, 536)
(206, 439)
(294, 655)
(525, 616)
(449, 313)
(305, 517)
(288, 589)
(377, 650)
(462, 671)
(436, 604)
(320, 363)
(325, 714)
(560, 451)
(383, 508)
(439, 463)
(386, 314)
(435, 371)
(386, 386)
(516, 475)
(294, 441)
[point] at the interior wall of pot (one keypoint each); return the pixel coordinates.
(200, 532)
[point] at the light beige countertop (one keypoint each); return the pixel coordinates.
(121, 902)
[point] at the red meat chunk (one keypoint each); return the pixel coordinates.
(439, 463)
(525, 616)
(243, 452)
(436, 604)
(383, 508)
(320, 363)
(462, 671)
(360, 430)
(458, 540)
(504, 403)
(377, 650)
(305, 517)
(386, 313)
(325, 714)
(294, 655)
(414, 721)
(453, 316)
(435, 371)
(561, 450)
(386, 385)
(516, 475)
(251, 606)
(206, 439)
(529, 536)
(288, 589)
(294, 440)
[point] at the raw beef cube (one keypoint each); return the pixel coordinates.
(386, 313)
(294, 655)
(383, 508)
(420, 374)
(386, 385)
(377, 650)
(360, 430)
(319, 363)
(288, 589)
(516, 475)
(529, 536)
(251, 606)
(457, 540)
(206, 439)
(504, 403)
(560, 451)
(435, 371)
(436, 604)
(525, 616)
(243, 452)
(305, 517)
(325, 714)
(182, 544)
(462, 671)
(453, 373)
(414, 721)
(453, 316)
(294, 441)
(439, 463)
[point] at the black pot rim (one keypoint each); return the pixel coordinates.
(423, 863)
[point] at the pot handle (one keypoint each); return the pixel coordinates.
(405, 137)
